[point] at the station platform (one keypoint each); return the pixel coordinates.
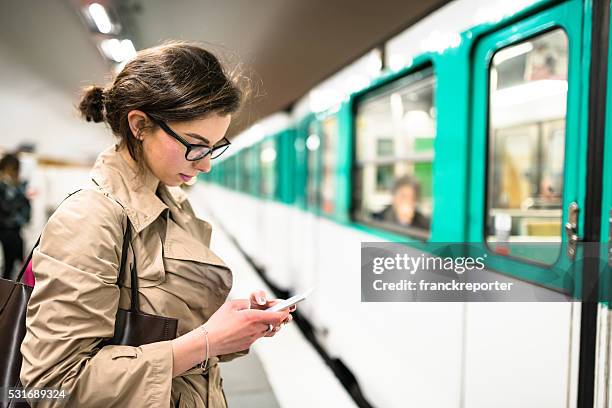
(284, 371)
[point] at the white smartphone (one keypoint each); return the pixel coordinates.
(284, 304)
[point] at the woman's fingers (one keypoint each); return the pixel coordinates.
(260, 301)
(239, 304)
(265, 317)
(258, 298)
(270, 330)
(267, 323)
(275, 301)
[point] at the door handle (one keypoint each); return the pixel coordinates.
(571, 230)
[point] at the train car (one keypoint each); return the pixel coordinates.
(495, 125)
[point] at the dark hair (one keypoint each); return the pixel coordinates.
(408, 181)
(9, 162)
(176, 81)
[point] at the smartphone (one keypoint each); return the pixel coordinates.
(284, 304)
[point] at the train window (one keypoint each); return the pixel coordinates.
(226, 172)
(395, 132)
(313, 142)
(229, 181)
(267, 163)
(235, 175)
(328, 176)
(246, 166)
(526, 143)
(244, 171)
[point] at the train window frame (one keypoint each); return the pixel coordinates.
(312, 188)
(300, 170)
(256, 170)
(488, 159)
(268, 142)
(287, 175)
(425, 69)
(243, 170)
(333, 167)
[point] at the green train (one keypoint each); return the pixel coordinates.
(492, 120)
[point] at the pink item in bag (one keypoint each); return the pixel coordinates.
(28, 275)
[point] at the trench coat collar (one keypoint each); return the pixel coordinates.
(134, 189)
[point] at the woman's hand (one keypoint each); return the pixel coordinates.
(235, 326)
(260, 301)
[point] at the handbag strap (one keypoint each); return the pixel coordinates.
(127, 239)
(27, 261)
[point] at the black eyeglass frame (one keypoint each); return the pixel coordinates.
(191, 146)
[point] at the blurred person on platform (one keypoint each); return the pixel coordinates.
(14, 213)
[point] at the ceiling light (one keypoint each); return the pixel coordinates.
(118, 51)
(374, 63)
(268, 155)
(313, 142)
(129, 51)
(100, 18)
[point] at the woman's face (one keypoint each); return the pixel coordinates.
(11, 173)
(165, 156)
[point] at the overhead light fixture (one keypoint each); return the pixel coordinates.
(104, 23)
(118, 51)
(313, 142)
(375, 62)
(98, 14)
(268, 155)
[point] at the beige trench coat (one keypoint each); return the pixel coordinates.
(75, 298)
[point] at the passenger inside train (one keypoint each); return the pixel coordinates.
(403, 209)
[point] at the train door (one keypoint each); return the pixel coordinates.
(526, 204)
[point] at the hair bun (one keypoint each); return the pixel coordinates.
(92, 104)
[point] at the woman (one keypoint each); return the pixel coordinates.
(170, 107)
(14, 213)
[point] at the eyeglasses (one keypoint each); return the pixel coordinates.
(195, 152)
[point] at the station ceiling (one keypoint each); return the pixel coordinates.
(285, 46)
